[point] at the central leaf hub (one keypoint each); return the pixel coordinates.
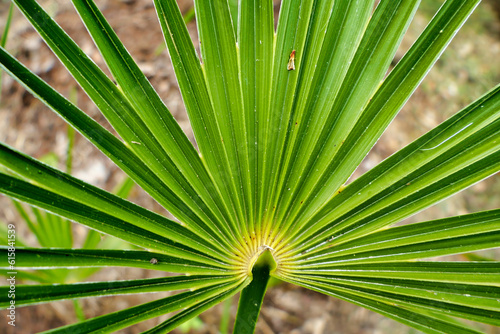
(266, 259)
(263, 258)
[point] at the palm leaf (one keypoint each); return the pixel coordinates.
(281, 120)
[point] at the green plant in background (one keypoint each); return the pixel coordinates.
(265, 194)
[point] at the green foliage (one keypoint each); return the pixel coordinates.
(276, 146)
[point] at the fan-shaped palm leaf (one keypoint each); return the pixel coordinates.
(281, 119)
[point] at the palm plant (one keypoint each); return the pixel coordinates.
(281, 120)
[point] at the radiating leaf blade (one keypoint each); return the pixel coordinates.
(410, 317)
(50, 258)
(400, 84)
(71, 190)
(97, 219)
(331, 42)
(121, 114)
(456, 154)
(255, 60)
(220, 64)
(469, 295)
(478, 273)
(201, 112)
(427, 239)
(33, 294)
(112, 322)
(290, 36)
(321, 145)
(149, 107)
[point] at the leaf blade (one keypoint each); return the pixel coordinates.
(34, 294)
(118, 110)
(50, 258)
(95, 218)
(418, 176)
(153, 112)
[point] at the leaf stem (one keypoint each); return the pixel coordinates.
(252, 296)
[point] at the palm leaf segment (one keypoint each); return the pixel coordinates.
(276, 145)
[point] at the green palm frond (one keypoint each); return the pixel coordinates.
(266, 191)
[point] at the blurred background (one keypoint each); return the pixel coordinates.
(468, 68)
